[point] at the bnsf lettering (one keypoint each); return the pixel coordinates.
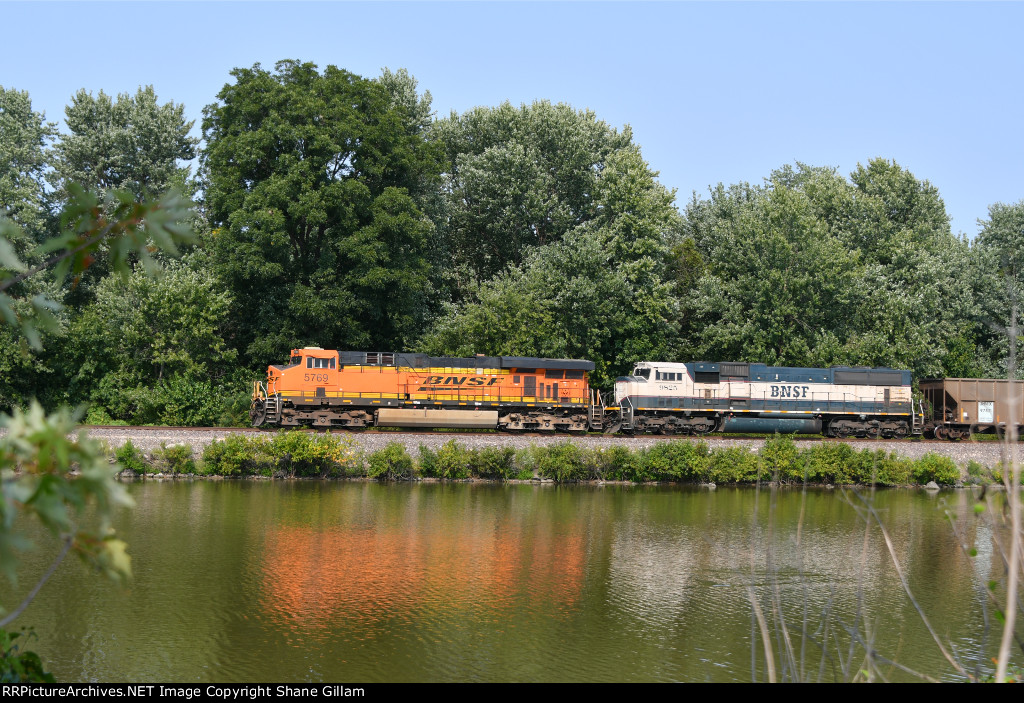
(789, 391)
(433, 381)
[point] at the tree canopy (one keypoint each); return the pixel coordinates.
(129, 143)
(811, 269)
(24, 140)
(516, 178)
(311, 185)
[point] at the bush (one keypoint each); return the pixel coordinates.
(779, 458)
(525, 464)
(979, 474)
(450, 461)
(238, 455)
(494, 462)
(303, 454)
(97, 415)
(175, 459)
(932, 467)
(17, 666)
(563, 462)
(733, 465)
(615, 462)
(184, 401)
(877, 467)
(131, 458)
(828, 462)
(392, 463)
(690, 460)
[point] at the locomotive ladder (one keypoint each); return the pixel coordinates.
(917, 415)
(273, 408)
(626, 413)
(595, 410)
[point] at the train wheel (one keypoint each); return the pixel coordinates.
(901, 431)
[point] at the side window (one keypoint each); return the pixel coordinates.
(515, 379)
(309, 362)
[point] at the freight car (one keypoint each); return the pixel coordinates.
(959, 407)
(326, 388)
(701, 397)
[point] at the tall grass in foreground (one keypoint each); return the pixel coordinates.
(846, 648)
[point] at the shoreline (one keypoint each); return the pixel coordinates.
(987, 453)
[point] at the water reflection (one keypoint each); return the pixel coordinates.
(318, 581)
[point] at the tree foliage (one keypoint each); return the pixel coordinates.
(516, 178)
(131, 143)
(24, 140)
(312, 182)
(813, 270)
(602, 291)
(998, 276)
(151, 348)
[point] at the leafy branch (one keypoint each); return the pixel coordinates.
(49, 470)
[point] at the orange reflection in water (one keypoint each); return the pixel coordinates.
(312, 575)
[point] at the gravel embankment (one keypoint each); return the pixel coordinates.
(987, 453)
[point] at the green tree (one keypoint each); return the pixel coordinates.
(812, 269)
(776, 288)
(312, 183)
(150, 346)
(24, 140)
(516, 178)
(998, 274)
(603, 291)
(131, 143)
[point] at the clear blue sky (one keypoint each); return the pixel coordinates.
(714, 92)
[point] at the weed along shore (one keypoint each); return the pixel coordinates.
(777, 459)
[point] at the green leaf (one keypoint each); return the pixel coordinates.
(8, 258)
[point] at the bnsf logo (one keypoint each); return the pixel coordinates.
(789, 391)
(459, 381)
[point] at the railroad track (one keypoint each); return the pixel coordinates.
(142, 429)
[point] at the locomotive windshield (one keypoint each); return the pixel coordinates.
(642, 373)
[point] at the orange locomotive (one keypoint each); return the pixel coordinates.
(327, 388)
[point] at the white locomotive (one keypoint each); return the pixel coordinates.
(701, 397)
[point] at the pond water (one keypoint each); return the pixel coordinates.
(311, 581)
